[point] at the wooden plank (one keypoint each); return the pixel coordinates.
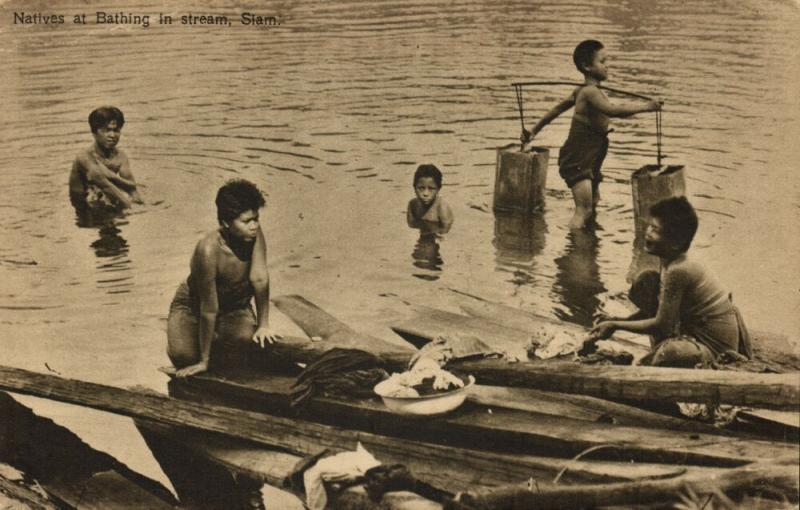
(267, 465)
(242, 457)
(501, 430)
(523, 320)
(431, 323)
(104, 490)
(772, 478)
(581, 407)
(447, 467)
(316, 322)
(772, 391)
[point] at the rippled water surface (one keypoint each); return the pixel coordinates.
(331, 112)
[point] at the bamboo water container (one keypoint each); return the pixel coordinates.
(520, 180)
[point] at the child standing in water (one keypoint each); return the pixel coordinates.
(428, 212)
(228, 269)
(581, 157)
(101, 176)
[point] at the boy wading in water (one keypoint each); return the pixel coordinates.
(582, 155)
(228, 269)
(688, 314)
(101, 177)
(427, 211)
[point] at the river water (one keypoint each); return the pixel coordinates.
(330, 113)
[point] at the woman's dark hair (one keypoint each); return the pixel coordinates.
(237, 196)
(678, 220)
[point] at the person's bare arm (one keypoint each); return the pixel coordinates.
(126, 174)
(548, 117)
(96, 167)
(445, 218)
(97, 174)
(666, 319)
(259, 278)
(204, 274)
(600, 102)
(411, 218)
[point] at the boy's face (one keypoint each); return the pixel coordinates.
(107, 137)
(244, 227)
(598, 69)
(426, 189)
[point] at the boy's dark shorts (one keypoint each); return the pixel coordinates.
(581, 157)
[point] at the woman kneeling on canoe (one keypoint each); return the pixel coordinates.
(228, 268)
(688, 314)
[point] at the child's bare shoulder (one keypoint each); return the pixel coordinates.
(84, 155)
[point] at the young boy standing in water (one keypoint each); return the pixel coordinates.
(228, 269)
(582, 155)
(101, 176)
(428, 212)
(688, 314)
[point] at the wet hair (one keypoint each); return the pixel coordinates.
(678, 220)
(584, 53)
(100, 117)
(428, 171)
(237, 196)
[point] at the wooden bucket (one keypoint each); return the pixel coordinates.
(651, 184)
(520, 179)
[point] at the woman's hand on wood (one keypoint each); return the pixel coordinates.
(264, 336)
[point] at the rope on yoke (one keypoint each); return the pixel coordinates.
(658, 138)
(518, 90)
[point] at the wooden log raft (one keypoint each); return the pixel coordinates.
(529, 436)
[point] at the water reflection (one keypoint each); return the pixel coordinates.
(519, 239)
(427, 255)
(110, 248)
(578, 281)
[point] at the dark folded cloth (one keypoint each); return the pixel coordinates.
(582, 155)
(347, 372)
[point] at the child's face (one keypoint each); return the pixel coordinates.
(244, 227)
(598, 69)
(426, 189)
(655, 242)
(107, 137)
